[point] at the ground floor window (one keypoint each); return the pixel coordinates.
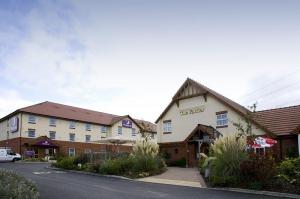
(71, 152)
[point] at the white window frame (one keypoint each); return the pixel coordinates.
(133, 132)
(31, 130)
(31, 119)
(72, 125)
(54, 135)
(73, 153)
(222, 119)
(88, 127)
(120, 129)
(103, 129)
(71, 134)
(52, 122)
(86, 140)
(167, 126)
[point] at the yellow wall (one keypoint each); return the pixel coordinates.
(126, 132)
(183, 125)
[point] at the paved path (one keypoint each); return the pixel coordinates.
(178, 176)
(65, 185)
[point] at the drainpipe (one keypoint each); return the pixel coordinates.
(20, 134)
(299, 143)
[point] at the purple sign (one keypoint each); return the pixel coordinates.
(14, 124)
(44, 143)
(127, 123)
(29, 153)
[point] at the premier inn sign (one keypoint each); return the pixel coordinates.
(193, 110)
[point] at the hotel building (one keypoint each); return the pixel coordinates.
(197, 115)
(48, 128)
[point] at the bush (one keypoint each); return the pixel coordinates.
(82, 159)
(118, 166)
(289, 171)
(66, 163)
(229, 152)
(16, 187)
(259, 169)
(178, 163)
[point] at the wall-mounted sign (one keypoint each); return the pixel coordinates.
(14, 124)
(127, 123)
(193, 110)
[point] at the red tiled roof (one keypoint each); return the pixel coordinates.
(71, 113)
(280, 121)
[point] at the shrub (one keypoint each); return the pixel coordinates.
(289, 171)
(66, 163)
(82, 159)
(145, 147)
(229, 152)
(258, 168)
(118, 166)
(17, 187)
(178, 163)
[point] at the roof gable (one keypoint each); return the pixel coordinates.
(191, 88)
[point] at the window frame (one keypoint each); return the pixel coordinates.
(120, 130)
(30, 121)
(167, 126)
(74, 152)
(72, 125)
(88, 127)
(52, 119)
(133, 132)
(103, 129)
(222, 119)
(31, 130)
(89, 138)
(70, 137)
(54, 135)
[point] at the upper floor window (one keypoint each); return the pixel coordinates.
(72, 125)
(52, 135)
(87, 138)
(88, 127)
(152, 135)
(103, 129)
(31, 133)
(72, 137)
(222, 119)
(31, 119)
(167, 126)
(119, 130)
(52, 122)
(133, 133)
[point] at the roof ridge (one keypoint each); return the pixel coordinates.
(114, 115)
(272, 109)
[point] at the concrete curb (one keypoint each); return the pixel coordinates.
(266, 193)
(89, 173)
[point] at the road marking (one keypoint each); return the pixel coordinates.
(46, 172)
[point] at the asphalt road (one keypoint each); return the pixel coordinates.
(61, 185)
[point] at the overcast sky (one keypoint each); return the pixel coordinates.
(130, 57)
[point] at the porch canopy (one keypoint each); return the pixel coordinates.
(203, 134)
(42, 141)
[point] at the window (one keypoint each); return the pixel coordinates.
(52, 135)
(152, 135)
(119, 130)
(31, 119)
(222, 120)
(31, 133)
(103, 129)
(71, 152)
(88, 127)
(167, 125)
(72, 137)
(87, 138)
(133, 133)
(72, 125)
(52, 122)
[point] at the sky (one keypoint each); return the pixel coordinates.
(131, 56)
